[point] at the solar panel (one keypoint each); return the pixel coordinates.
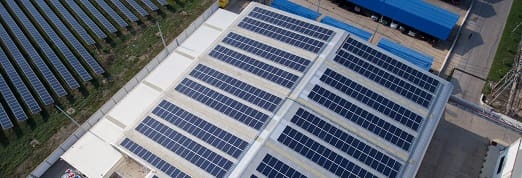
(361, 117)
(152, 159)
(150, 5)
(31, 51)
(394, 66)
(112, 13)
(201, 129)
(347, 143)
(86, 19)
(268, 52)
(125, 10)
(47, 50)
(256, 67)
(223, 104)
(236, 87)
(162, 2)
(86, 56)
(10, 98)
(321, 155)
(372, 99)
(5, 122)
(20, 87)
(184, 147)
(384, 78)
(292, 24)
(137, 7)
(69, 18)
(60, 45)
(99, 16)
(283, 35)
(272, 167)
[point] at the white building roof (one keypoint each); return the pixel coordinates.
(237, 96)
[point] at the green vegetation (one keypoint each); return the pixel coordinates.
(122, 59)
(507, 47)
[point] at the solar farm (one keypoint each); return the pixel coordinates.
(266, 93)
(60, 53)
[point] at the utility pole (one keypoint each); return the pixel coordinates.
(162, 39)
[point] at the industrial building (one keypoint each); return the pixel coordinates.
(267, 93)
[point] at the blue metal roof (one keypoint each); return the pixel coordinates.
(294, 8)
(347, 27)
(424, 61)
(420, 15)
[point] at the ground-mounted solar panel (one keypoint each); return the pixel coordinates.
(60, 45)
(86, 19)
(254, 66)
(347, 143)
(78, 47)
(392, 65)
(112, 13)
(361, 117)
(137, 7)
(27, 71)
(236, 87)
(99, 16)
(201, 129)
(69, 18)
(152, 159)
(399, 86)
(31, 51)
(281, 34)
(266, 51)
(150, 5)
(10, 99)
(321, 155)
(292, 23)
(5, 122)
(273, 167)
(20, 87)
(372, 99)
(223, 104)
(125, 10)
(162, 2)
(184, 147)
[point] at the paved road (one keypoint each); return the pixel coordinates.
(476, 47)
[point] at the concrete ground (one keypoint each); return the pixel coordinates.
(439, 51)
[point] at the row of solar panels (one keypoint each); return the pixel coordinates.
(40, 53)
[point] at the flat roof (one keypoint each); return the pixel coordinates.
(236, 88)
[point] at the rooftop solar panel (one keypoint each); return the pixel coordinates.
(44, 46)
(392, 65)
(125, 10)
(150, 5)
(292, 23)
(56, 40)
(254, 66)
(223, 104)
(184, 147)
(372, 99)
(152, 159)
(20, 87)
(236, 87)
(268, 52)
(362, 118)
(86, 56)
(86, 19)
(69, 18)
(5, 122)
(31, 51)
(347, 143)
(283, 35)
(272, 167)
(321, 155)
(201, 129)
(112, 13)
(137, 7)
(99, 16)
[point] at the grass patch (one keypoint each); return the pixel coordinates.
(507, 47)
(126, 56)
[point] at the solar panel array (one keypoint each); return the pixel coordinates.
(20, 87)
(272, 167)
(125, 10)
(99, 16)
(9, 97)
(112, 13)
(69, 18)
(86, 19)
(137, 7)
(150, 5)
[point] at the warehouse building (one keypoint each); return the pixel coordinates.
(267, 93)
